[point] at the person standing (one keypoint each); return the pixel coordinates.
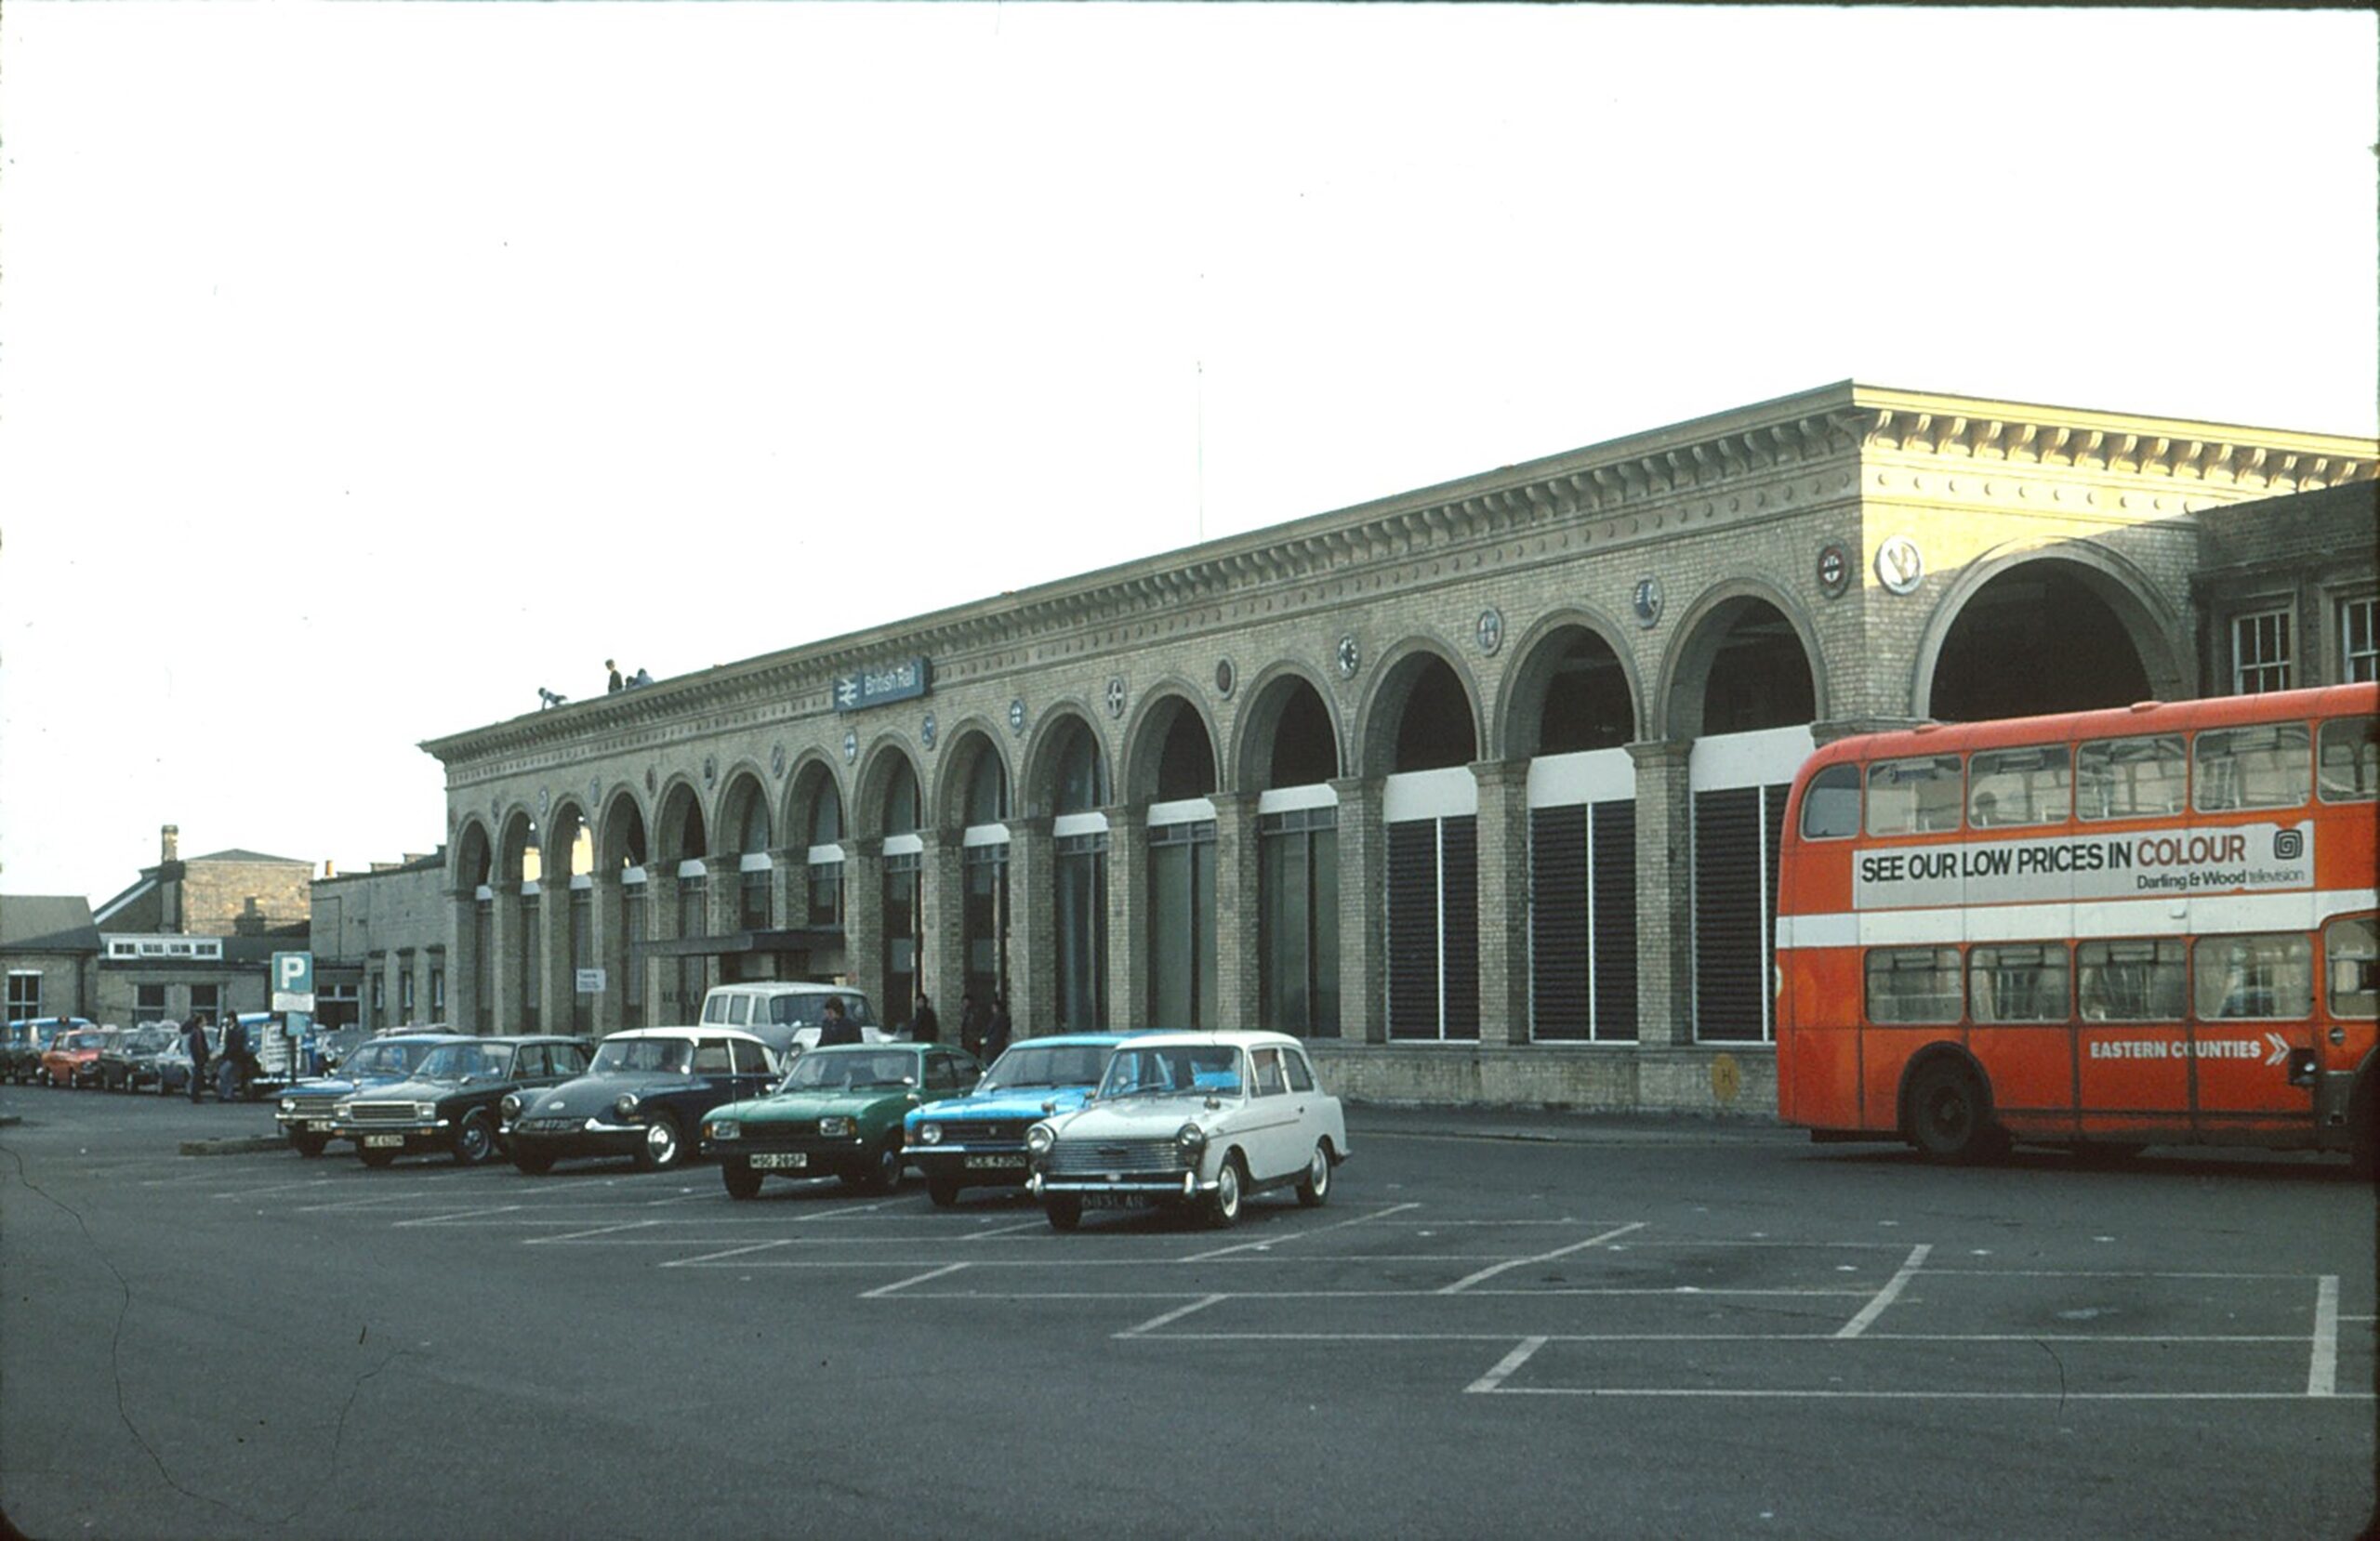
(924, 1026)
(995, 1033)
(971, 1026)
(232, 1083)
(834, 1027)
(194, 1038)
(613, 665)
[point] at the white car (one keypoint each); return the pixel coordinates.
(786, 1014)
(1198, 1120)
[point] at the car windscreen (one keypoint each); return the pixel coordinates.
(74, 1042)
(454, 1062)
(1183, 1069)
(1045, 1065)
(384, 1058)
(840, 1070)
(629, 1056)
(798, 1010)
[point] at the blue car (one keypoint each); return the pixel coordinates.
(978, 1140)
(307, 1109)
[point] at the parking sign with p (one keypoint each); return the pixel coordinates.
(293, 982)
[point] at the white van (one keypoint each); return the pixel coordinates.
(785, 1013)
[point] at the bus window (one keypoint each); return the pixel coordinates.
(2266, 767)
(2253, 978)
(1913, 797)
(1909, 985)
(1831, 804)
(2350, 945)
(2130, 981)
(2130, 778)
(2018, 786)
(2350, 759)
(2025, 982)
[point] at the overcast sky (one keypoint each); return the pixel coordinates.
(365, 368)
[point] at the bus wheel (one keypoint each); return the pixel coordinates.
(1949, 1117)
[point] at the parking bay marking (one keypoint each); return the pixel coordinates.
(880, 1293)
(1487, 1273)
(1886, 1296)
(1268, 1242)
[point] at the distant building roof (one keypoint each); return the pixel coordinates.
(238, 855)
(48, 923)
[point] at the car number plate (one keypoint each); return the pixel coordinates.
(778, 1161)
(319, 1126)
(383, 1141)
(994, 1162)
(1114, 1201)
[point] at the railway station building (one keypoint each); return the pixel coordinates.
(1477, 787)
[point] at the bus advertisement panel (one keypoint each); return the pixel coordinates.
(2105, 929)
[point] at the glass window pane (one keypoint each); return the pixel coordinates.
(2350, 945)
(2130, 778)
(2253, 978)
(1831, 804)
(2019, 787)
(2130, 981)
(2270, 766)
(2021, 982)
(1913, 797)
(1912, 984)
(2350, 759)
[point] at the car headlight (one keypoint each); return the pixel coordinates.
(722, 1128)
(425, 1110)
(834, 1127)
(1191, 1138)
(289, 1104)
(511, 1106)
(340, 1109)
(929, 1134)
(1039, 1138)
(625, 1105)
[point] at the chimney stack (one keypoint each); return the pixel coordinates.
(172, 842)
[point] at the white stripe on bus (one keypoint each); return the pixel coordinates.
(2216, 913)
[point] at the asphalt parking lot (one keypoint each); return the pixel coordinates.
(1500, 1324)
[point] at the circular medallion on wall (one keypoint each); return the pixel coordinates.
(1900, 566)
(1115, 696)
(1645, 600)
(1016, 716)
(851, 748)
(776, 761)
(1834, 570)
(925, 731)
(1225, 678)
(1490, 630)
(1351, 657)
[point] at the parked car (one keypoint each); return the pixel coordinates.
(173, 1064)
(1191, 1119)
(128, 1060)
(644, 1096)
(977, 1140)
(837, 1113)
(786, 1014)
(450, 1105)
(307, 1112)
(73, 1057)
(28, 1039)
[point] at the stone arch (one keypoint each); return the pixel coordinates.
(2070, 574)
(1046, 751)
(474, 858)
(1162, 745)
(1282, 692)
(880, 777)
(812, 777)
(1734, 616)
(681, 831)
(563, 822)
(746, 799)
(1408, 669)
(513, 847)
(972, 747)
(1574, 664)
(620, 840)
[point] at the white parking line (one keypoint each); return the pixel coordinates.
(1484, 1273)
(458, 1215)
(274, 1188)
(731, 1252)
(882, 1291)
(580, 1235)
(1506, 1365)
(1270, 1240)
(1174, 1316)
(1006, 1230)
(1760, 1394)
(1887, 1295)
(2322, 1371)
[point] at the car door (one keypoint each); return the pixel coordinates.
(753, 1074)
(1274, 1140)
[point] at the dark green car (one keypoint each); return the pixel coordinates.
(837, 1113)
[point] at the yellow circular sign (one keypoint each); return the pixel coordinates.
(1726, 1078)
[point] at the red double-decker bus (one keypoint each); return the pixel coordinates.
(2104, 929)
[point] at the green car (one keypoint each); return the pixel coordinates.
(837, 1113)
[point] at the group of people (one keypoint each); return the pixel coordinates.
(612, 667)
(235, 1064)
(983, 1032)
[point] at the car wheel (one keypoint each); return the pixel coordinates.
(1950, 1114)
(884, 1170)
(475, 1140)
(1065, 1211)
(1223, 1205)
(375, 1159)
(535, 1164)
(308, 1145)
(1315, 1190)
(741, 1181)
(662, 1149)
(943, 1191)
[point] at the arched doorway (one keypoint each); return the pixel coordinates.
(1066, 773)
(2044, 635)
(1172, 773)
(1288, 758)
(1423, 733)
(620, 853)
